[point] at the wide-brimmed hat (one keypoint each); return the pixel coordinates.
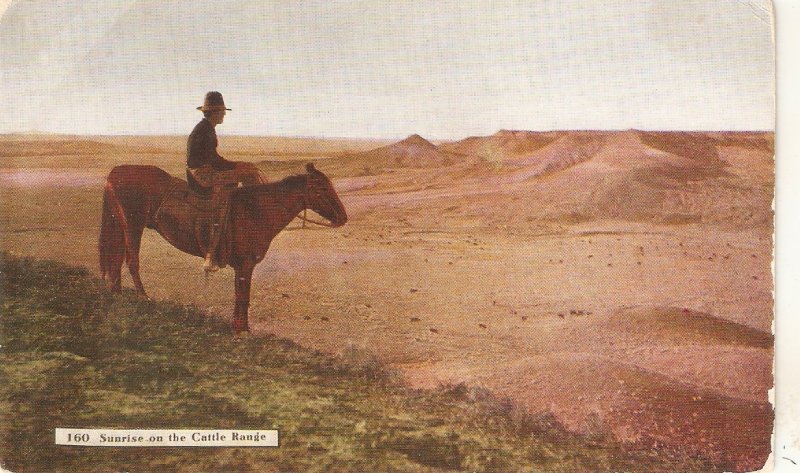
(213, 102)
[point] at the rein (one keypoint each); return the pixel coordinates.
(315, 222)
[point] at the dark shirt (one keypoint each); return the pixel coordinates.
(201, 150)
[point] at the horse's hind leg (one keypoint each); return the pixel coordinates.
(133, 237)
(111, 245)
(115, 273)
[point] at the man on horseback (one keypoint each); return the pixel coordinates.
(208, 173)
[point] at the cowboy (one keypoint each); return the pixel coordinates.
(208, 173)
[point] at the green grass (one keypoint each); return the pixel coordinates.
(74, 355)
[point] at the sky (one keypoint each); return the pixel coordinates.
(387, 69)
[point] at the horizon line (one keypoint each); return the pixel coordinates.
(364, 138)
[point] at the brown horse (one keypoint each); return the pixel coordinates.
(134, 196)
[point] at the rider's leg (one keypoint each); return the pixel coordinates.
(219, 208)
(245, 173)
(249, 174)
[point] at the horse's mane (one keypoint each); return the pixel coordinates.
(287, 183)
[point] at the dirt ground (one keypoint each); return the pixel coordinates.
(620, 281)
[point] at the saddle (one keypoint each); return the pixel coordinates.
(184, 218)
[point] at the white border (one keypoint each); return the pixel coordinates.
(787, 247)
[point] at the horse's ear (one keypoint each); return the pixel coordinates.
(310, 167)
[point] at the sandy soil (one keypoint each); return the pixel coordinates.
(620, 281)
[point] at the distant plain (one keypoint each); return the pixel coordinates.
(620, 281)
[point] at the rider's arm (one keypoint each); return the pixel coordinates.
(202, 150)
(221, 164)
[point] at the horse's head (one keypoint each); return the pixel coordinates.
(323, 199)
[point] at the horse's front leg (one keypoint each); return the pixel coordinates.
(244, 274)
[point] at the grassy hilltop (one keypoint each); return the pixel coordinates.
(74, 355)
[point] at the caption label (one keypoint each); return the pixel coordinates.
(166, 438)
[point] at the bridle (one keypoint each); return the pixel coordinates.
(303, 216)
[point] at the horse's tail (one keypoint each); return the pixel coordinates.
(111, 245)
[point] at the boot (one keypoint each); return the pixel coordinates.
(209, 266)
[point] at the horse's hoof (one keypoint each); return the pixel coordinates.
(209, 266)
(240, 329)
